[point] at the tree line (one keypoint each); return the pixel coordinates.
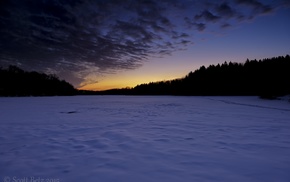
(266, 78)
(17, 82)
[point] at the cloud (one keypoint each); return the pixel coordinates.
(227, 13)
(207, 16)
(224, 10)
(77, 38)
(225, 25)
(256, 6)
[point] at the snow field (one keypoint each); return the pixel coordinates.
(144, 138)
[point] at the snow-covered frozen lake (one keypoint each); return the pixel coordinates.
(144, 139)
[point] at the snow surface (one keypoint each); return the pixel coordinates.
(144, 138)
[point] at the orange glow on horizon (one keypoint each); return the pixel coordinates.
(118, 82)
(103, 86)
(153, 71)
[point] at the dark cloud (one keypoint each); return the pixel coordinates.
(256, 6)
(75, 38)
(207, 16)
(176, 35)
(200, 26)
(225, 25)
(226, 13)
(192, 24)
(225, 10)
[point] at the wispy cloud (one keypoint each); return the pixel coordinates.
(75, 38)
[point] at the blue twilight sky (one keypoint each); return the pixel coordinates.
(103, 44)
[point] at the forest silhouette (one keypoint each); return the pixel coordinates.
(268, 78)
(17, 82)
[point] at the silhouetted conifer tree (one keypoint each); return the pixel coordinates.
(17, 82)
(268, 78)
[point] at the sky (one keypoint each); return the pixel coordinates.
(105, 44)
